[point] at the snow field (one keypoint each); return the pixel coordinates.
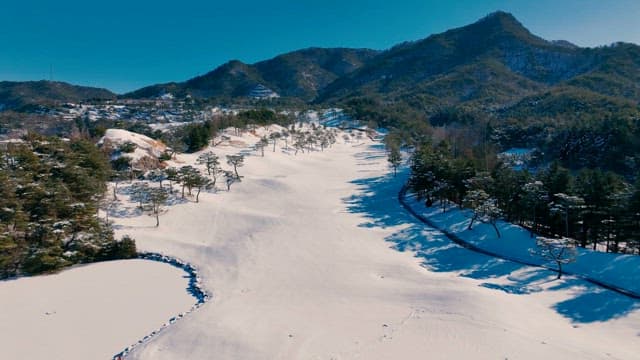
(88, 312)
(299, 261)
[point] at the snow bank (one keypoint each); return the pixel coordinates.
(614, 270)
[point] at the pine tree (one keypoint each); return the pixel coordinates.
(210, 161)
(558, 250)
(236, 161)
(394, 158)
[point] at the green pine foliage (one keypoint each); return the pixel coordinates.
(596, 208)
(49, 193)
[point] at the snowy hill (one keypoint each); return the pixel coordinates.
(145, 152)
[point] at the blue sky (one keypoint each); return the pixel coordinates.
(124, 45)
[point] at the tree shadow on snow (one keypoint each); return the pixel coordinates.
(377, 201)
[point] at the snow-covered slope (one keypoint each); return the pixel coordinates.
(312, 257)
(300, 262)
(617, 270)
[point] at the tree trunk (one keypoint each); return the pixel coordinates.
(534, 223)
(495, 227)
(115, 190)
(198, 194)
(157, 218)
(559, 270)
(473, 219)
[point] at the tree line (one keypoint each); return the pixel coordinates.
(50, 191)
(595, 208)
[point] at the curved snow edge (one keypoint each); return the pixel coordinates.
(467, 245)
(195, 289)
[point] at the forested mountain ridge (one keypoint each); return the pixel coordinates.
(498, 43)
(488, 67)
(300, 74)
(490, 64)
(16, 94)
(520, 89)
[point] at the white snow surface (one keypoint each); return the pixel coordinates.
(617, 270)
(145, 146)
(312, 257)
(88, 312)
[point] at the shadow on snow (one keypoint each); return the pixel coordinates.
(377, 200)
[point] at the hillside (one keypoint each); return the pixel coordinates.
(300, 74)
(491, 64)
(15, 95)
(525, 62)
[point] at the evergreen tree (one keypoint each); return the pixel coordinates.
(236, 161)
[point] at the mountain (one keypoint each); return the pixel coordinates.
(615, 72)
(489, 65)
(494, 54)
(301, 74)
(14, 95)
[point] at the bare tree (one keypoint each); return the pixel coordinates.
(558, 250)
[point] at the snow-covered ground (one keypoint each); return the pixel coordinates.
(88, 312)
(615, 270)
(312, 257)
